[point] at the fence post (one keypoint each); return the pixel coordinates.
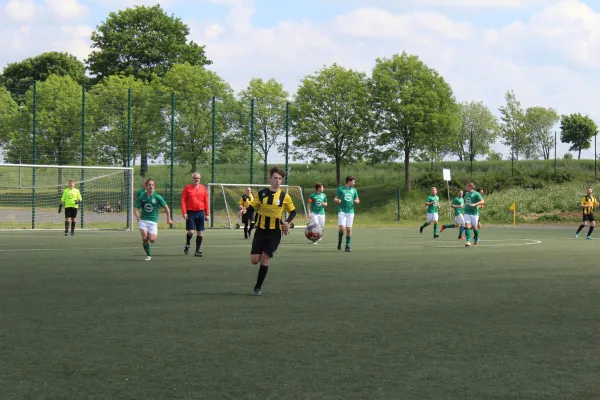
(129, 128)
(82, 186)
(398, 197)
(287, 141)
(212, 178)
(172, 152)
(555, 152)
(34, 174)
(251, 141)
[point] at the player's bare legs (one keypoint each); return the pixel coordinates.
(468, 234)
(341, 229)
(147, 238)
(263, 259)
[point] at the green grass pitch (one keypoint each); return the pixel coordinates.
(401, 317)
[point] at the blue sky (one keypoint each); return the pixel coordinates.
(546, 51)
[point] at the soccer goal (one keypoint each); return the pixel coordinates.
(224, 199)
(30, 196)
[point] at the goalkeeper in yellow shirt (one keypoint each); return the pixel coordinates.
(71, 198)
(588, 203)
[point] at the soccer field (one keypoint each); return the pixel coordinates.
(401, 317)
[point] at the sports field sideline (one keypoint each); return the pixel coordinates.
(401, 317)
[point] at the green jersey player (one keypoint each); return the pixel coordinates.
(346, 197)
(142, 190)
(473, 201)
(433, 206)
(458, 205)
(149, 202)
(316, 207)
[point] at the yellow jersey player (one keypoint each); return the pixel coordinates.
(248, 217)
(71, 198)
(269, 204)
(587, 204)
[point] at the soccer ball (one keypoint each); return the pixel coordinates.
(313, 232)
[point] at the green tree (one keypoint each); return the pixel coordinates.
(269, 116)
(18, 77)
(143, 42)
(494, 156)
(578, 130)
(331, 117)
(108, 120)
(414, 107)
(58, 130)
(512, 128)
(194, 88)
(539, 124)
(479, 129)
(9, 111)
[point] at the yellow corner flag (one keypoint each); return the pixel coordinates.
(513, 208)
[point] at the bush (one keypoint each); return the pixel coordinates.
(568, 156)
(551, 218)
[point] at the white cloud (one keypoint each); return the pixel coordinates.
(122, 4)
(377, 23)
(66, 9)
(75, 40)
(485, 3)
(20, 10)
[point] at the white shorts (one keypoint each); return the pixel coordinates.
(318, 219)
(345, 219)
(432, 217)
(148, 226)
(471, 219)
(459, 219)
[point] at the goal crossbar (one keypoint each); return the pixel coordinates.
(223, 199)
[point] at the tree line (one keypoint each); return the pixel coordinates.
(144, 76)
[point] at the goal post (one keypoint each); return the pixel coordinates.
(224, 203)
(30, 196)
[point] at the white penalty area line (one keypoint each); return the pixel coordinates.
(303, 245)
(483, 243)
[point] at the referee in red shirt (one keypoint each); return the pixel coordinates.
(195, 210)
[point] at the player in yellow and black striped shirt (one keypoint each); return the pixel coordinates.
(588, 203)
(248, 217)
(269, 203)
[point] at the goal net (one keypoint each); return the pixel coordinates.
(224, 200)
(30, 196)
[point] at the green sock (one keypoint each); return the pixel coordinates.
(340, 236)
(476, 234)
(435, 229)
(147, 248)
(468, 232)
(425, 225)
(449, 226)
(348, 240)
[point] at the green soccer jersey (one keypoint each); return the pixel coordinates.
(433, 208)
(139, 193)
(71, 198)
(316, 201)
(149, 205)
(347, 195)
(458, 201)
(472, 198)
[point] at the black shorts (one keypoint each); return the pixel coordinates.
(195, 221)
(249, 217)
(588, 217)
(266, 241)
(70, 212)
